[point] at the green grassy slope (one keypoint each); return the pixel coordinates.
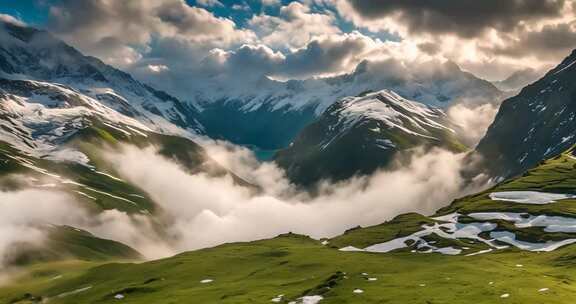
(557, 175)
(67, 243)
(296, 266)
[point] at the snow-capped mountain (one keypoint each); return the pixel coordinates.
(358, 135)
(58, 109)
(30, 54)
(277, 111)
(538, 123)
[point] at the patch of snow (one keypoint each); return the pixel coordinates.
(73, 292)
(206, 281)
(86, 195)
(350, 249)
(480, 252)
(524, 220)
(308, 300)
(111, 195)
(568, 65)
(110, 176)
(529, 197)
(358, 290)
(448, 251)
(69, 155)
(510, 238)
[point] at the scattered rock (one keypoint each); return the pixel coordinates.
(277, 299)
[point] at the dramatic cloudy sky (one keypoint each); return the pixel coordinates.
(177, 40)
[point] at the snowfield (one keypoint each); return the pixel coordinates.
(449, 228)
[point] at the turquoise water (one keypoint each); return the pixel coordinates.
(263, 155)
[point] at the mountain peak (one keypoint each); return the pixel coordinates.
(357, 135)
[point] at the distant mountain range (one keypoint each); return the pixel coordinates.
(517, 80)
(277, 111)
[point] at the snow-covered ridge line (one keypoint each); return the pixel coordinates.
(433, 83)
(390, 110)
(35, 59)
(39, 116)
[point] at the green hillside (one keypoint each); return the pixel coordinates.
(96, 185)
(67, 243)
(296, 266)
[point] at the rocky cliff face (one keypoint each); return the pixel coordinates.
(538, 123)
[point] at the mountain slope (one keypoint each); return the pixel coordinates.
(536, 124)
(60, 114)
(65, 243)
(30, 54)
(59, 109)
(79, 168)
(358, 135)
(483, 248)
(269, 113)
